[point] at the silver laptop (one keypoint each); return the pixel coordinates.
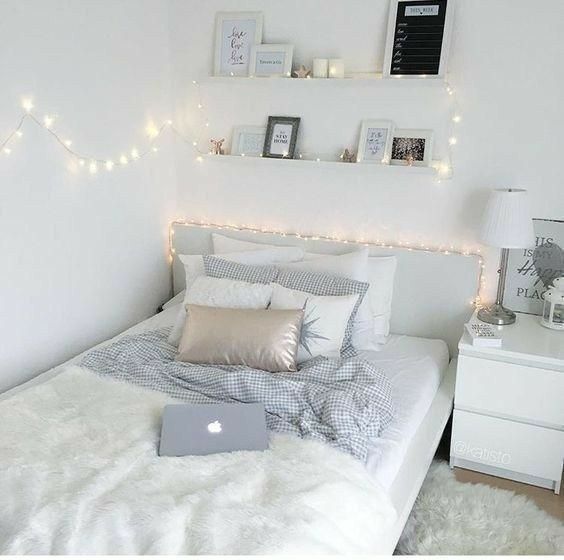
(202, 429)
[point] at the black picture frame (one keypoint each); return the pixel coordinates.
(267, 151)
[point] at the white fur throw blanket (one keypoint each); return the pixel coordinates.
(79, 474)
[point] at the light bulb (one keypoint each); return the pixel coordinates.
(199, 159)
(194, 143)
(27, 104)
(169, 122)
(93, 167)
(123, 160)
(200, 106)
(68, 143)
(151, 130)
(154, 149)
(456, 118)
(7, 151)
(81, 162)
(452, 140)
(109, 165)
(48, 121)
(135, 153)
(19, 133)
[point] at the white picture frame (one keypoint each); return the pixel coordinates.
(273, 60)
(248, 141)
(375, 142)
(390, 37)
(235, 34)
(420, 148)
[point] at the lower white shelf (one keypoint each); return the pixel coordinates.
(256, 160)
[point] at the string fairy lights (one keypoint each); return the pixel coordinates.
(386, 244)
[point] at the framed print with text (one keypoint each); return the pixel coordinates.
(375, 144)
(271, 60)
(281, 137)
(248, 141)
(235, 34)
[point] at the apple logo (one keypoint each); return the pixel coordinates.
(214, 427)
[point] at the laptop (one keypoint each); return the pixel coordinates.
(203, 429)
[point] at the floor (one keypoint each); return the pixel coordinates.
(544, 498)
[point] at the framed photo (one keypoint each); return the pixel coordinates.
(235, 34)
(418, 38)
(412, 147)
(530, 272)
(281, 136)
(248, 140)
(375, 144)
(271, 60)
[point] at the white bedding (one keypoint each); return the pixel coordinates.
(415, 367)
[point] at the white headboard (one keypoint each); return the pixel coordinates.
(433, 291)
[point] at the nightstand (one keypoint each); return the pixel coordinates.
(509, 405)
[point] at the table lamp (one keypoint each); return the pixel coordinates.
(507, 224)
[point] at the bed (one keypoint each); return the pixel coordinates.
(416, 362)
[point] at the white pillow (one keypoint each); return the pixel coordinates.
(220, 292)
(325, 320)
(223, 244)
(194, 267)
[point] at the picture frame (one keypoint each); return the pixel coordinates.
(273, 60)
(408, 55)
(281, 137)
(414, 143)
(530, 272)
(235, 34)
(248, 141)
(375, 142)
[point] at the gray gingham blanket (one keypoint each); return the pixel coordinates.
(342, 402)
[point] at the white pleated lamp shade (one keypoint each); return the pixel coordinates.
(507, 221)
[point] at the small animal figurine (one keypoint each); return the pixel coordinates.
(217, 147)
(348, 156)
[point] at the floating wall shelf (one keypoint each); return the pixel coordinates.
(356, 79)
(254, 160)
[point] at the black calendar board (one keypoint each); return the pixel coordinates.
(419, 33)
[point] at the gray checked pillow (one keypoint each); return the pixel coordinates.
(320, 284)
(220, 268)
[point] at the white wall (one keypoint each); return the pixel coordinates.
(83, 256)
(506, 64)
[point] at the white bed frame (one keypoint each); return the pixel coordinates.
(433, 297)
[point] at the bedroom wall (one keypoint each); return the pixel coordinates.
(505, 62)
(83, 257)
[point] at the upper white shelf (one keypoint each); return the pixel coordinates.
(356, 79)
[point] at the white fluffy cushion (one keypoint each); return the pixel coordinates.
(220, 292)
(194, 268)
(325, 320)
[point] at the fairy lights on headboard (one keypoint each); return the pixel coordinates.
(385, 244)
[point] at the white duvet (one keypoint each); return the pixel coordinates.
(79, 474)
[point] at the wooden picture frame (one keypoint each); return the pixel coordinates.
(269, 61)
(281, 137)
(235, 34)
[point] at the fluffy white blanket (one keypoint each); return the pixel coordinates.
(79, 474)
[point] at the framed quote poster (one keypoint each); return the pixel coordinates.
(271, 60)
(235, 34)
(375, 145)
(248, 140)
(530, 272)
(281, 137)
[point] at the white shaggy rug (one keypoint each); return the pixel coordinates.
(452, 517)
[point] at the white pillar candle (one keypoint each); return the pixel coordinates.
(320, 67)
(336, 68)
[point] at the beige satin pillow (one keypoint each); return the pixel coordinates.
(266, 339)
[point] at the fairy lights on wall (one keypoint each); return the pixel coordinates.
(385, 244)
(94, 163)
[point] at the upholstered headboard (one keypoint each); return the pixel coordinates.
(433, 291)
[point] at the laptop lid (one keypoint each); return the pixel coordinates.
(202, 429)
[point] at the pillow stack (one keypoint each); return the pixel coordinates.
(271, 307)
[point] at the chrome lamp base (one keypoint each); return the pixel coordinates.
(496, 314)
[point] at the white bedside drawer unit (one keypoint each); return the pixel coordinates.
(509, 405)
